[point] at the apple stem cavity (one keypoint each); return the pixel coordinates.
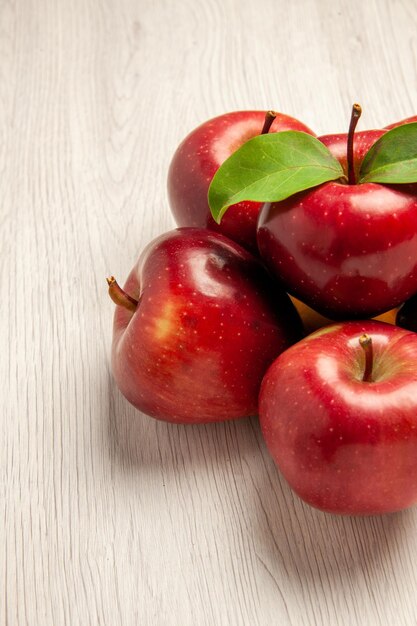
(354, 118)
(269, 118)
(119, 296)
(366, 344)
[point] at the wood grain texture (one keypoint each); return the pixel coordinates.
(106, 516)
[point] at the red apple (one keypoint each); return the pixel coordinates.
(199, 322)
(346, 250)
(338, 411)
(198, 158)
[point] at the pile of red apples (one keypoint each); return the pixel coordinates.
(214, 321)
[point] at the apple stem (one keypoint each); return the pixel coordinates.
(119, 296)
(269, 118)
(354, 118)
(366, 344)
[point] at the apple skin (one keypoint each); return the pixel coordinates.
(345, 250)
(209, 322)
(198, 158)
(345, 446)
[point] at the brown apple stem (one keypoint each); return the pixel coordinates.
(366, 344)
(354, 118)
(269, 118)
(119, 296)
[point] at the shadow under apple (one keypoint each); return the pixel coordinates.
(138, 442)
(309, 554)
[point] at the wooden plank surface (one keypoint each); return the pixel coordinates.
(106, 516)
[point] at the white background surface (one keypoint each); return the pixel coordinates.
(106, 516)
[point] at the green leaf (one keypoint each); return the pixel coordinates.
(393, 158)
(269, 168)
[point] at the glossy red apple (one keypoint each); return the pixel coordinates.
(346, 250)
(198, 158)
(199, 322)
(340, 418)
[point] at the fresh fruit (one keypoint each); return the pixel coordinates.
(338, 411)
(199, 321)
(348, 249)
(198, 158)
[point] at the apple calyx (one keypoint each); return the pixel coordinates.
(354, 118)
(269, 118)
(119, 296)
(365, 342)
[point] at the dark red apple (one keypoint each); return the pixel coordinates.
(338, 411)
(198, 158)
(199, 322)
(346, 250)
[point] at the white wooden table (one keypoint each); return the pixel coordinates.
(108, 517)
